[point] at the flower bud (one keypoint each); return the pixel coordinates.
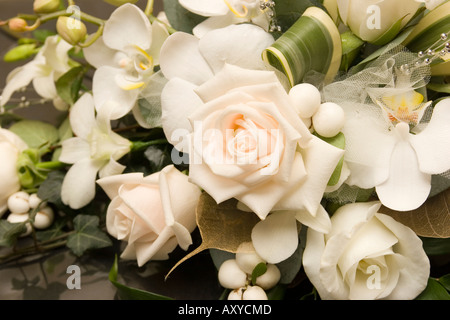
(254, 293)
(70, 29)
(45, 6)
(18, 202)
(18, 25)
(270, 278)
(43, 218)
(231, 276)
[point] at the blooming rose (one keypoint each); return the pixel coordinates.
(153, 214)
(367, 255)
(10, 148)
(370, 19)
(246, 140)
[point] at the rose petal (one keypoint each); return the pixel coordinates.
(407, 188)
(180, 57)
(276, 238)
(320, 221)
(127, 26)
(111, 184)
(432, 144)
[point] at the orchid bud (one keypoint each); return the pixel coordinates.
(18, 25)
(18, 202)
(46, 6)
(70, 29)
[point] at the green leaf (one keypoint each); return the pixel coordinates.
(351, 46)
(42, 34)
(69, 84)
(445, 281)
(436, 246)
(312, 44)
(50, 189)
(439, 87)
(10, 232)
(258, 271)
(434, 291)
(128, 293)
(288, 12)
(181, 19)
(21, 52)
(390, 34)
(35, 133)
(87, 235)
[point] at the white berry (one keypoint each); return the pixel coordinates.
(246, 258)
(34, 201)
(44, 218)
(18, 202)
(18, 218)
(329, 120)
(236, 294)
(306, 99)
(231, 276)
(255, 293)
(270, 278)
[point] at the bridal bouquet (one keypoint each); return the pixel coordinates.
(286, 139)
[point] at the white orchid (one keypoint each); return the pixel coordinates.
(125, 56)
(95, 149)
(397, 162)
(48, 65)
(222, 13)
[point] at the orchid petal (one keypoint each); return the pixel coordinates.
(106, 90)
(111, 168)
(137, 31)
(82, 116)
(240, 45)
(178, 101)
(159, 36)
(74, 149)
(211, 24)
(180, 57)
(55, 53)
(407, 188)
(276, 238)
(99, 54)
(45, 87)
(206, 8)
(78, 187)
(432, 144)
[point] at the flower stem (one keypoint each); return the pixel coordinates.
(149, 8)
(141, 145)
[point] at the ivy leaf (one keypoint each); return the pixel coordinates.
(9, 232)
(35, 133)
(127, 293)
(69, 84)
(50, 189)
(432, 219)
(87, 235)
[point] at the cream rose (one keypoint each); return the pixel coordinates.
(366, 256)
(153, 214)
(10, 148)
(371, 19)
(240, 128)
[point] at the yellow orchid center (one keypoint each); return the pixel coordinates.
(242, 13)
